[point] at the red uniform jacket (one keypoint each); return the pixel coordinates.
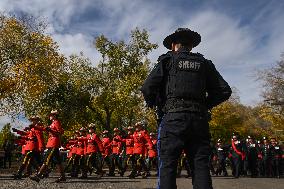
(55, 131)
(21, 142)
(30, 139)
(71, 147)
(152, 151)
(129, 143)
(106, 142)
(81, 145)
(94, 143)
(116, 145)
(40, 139)
(141, 138)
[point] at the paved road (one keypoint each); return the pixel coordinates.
(139, 183)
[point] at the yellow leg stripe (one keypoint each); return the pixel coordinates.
(27, 157)
(49, 157)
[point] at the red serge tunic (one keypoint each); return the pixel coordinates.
(141, 138)
(81, 146)
(31, 143)
(129, 143)
(94, 144)
(21, 142)
(152, 152)
(106, 142)
(55, 131)
(71, 147)
(40, 139)
(116, 145)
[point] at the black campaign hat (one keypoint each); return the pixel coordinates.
(183, 35)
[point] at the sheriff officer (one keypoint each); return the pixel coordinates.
(188, 85)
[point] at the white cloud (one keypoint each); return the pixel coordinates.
(19, 122)
(77, 43)
(238, 50)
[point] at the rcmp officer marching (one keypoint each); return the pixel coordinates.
(55, 131)
(94, 149)
(187, 85)
(107, 148)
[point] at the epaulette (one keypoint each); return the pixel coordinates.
(198, 54)
(164, 56)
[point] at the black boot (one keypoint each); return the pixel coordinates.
(36, 178)
(18, 175)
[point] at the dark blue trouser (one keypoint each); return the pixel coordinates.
(189, 131)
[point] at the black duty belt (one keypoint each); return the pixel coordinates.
(179, 105)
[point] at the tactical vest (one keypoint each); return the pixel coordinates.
(186, 81)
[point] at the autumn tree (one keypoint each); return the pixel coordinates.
(6, 134)
(30, 65)
(36, 78)
(272, 109)
(121, 72)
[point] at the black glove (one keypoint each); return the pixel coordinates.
(14, 129)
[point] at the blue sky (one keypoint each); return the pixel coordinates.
(239, 36)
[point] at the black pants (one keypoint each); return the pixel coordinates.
(80, 165)
(115, 162)
(236, 166)
(107, 160)
(94, 160)
(51, 155)
(128, 160)
(30, 159)
(275, 164)
(139, 165)
(189, 131)
(221, 166)
(252, 166)
(183, 163)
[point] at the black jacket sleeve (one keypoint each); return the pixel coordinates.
(217, 88)
(153, 84)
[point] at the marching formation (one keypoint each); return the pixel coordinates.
(132, 149)
(248, 157)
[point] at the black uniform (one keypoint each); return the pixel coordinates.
(251, 158)
(187, 85)
(266, 168)
(222, 153)
(275, 153)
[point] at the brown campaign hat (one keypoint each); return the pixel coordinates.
(105, 131)
(34, 117)
(183, 35)
(115, 129)
(54, 112)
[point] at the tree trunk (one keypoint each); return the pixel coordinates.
(108, 119)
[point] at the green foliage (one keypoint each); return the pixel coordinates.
(6, 134)
(36, 78)
(120, 74)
